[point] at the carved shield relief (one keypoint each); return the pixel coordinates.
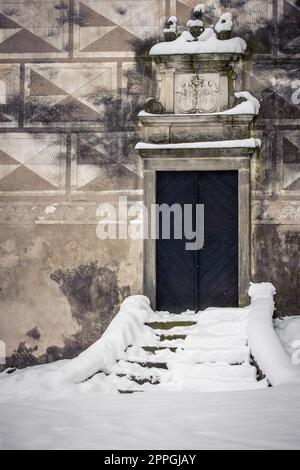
(197, 93)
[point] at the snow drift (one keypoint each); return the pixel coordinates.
(264, 343)
(208, 43)
(229, 333)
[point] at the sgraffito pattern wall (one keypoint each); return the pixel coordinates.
(73, 76)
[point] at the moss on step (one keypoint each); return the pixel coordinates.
(144, 381)
(154, 349)
(169, 325)
(151, 365)
(171, 337)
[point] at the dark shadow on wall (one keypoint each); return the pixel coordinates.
(94, 297)
(277, 259)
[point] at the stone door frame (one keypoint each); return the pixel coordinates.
(155, 160)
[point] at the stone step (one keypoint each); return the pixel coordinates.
(150, 365)
(144, 381)
(138, 372)
(169, 325)
(149, 354)
(171, 337)
(154, 349)
(201, 355)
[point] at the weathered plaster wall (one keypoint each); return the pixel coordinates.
(73, 75)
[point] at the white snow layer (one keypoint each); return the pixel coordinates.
(192, 23)
(206, 44)
(243, 143)
(251, 105)
(225, 23)
(288, 330)
(124, 330)
(256, 419)
(200, 7)
(264, 343)
(221, 335)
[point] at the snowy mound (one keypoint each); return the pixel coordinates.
(288, 330)
(208, 43)
(250, 105)
(221, 144)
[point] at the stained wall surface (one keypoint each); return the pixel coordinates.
(73, 76)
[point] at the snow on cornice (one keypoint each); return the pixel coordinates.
(208, 43)
(222, 144)
(251, 106)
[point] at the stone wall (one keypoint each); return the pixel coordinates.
(73, 76)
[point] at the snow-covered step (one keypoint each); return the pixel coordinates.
(138, 372)
(176, 330)
(213, 316)
(231, 356)
(202, 341)
(219, 372)
(207, 351)
(169, 325)
(138, 354)
(150, 364)
(166, 317)
(160, 343)
(211, 385)
(229, 328)
(152, 355)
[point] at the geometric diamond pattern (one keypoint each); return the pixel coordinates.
(68, 93)
(101, 164)
(9, 95)
(34, 28)
(112, 26)
(72, 94)
(183, 10)
(32, 163)
(291, 162)
(289, 29)
(252, 14)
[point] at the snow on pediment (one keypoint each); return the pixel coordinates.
(198, 39)
(207, 43)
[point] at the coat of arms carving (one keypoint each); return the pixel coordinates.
(197, 95)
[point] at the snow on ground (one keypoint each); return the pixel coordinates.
(260, 419)
(47, 407)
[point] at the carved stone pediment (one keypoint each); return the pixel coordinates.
(197, 93)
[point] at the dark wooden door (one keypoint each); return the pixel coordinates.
(207, 277)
